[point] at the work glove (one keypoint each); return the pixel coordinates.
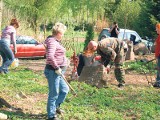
(59, 71)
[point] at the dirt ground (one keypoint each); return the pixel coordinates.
(133, 79)
(130, 77)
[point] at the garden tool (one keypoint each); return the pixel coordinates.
(149, 82)
(75, 61)
(74, 92)
(146, 63)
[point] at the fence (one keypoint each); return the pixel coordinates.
(73, 44)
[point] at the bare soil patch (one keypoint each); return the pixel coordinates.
(28, 105)
(132, 78)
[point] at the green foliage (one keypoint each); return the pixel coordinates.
(129, 13)
(91, 103)
(73, 41)
(141, 67)
(155, 9)
(89, 35)
(24, 80)
(139, 15)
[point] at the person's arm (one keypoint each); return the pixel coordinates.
(13, 39)
(109, 51)
(110, 30)
(117, 30)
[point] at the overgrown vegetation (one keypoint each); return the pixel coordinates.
(141, 66)
(77, 14)
(89, 35)
(140, 103)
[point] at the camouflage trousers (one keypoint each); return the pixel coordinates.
(119, 73)
(118, 62)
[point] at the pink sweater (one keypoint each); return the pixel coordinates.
(55, 53)
(9, 33)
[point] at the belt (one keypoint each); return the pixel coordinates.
(51, 68)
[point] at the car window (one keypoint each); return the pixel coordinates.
(129, 35)
(137, 37)
(20, 41)
(25, 40)
(33, 41)
(105, 32)
(122, 36)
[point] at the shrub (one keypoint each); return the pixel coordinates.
(89, 35)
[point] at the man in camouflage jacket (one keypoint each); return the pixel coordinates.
(111, 52)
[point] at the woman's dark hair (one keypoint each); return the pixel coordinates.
(114, 22)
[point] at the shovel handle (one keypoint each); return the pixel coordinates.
(69, 85)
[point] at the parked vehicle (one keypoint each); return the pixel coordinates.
(28, 47)
(125, 34)
(129, 35)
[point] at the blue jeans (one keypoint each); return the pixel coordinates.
(58, 89)
(7, 55)
(158, 71)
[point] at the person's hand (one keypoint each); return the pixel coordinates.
(59, 71)
(113, 26)
(15, 51)
(97, 57)
(108, 68)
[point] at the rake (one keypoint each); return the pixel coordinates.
(146, 62)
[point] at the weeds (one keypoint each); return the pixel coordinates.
(141, 67)
(91, 103)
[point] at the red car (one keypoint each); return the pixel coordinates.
(28, 47)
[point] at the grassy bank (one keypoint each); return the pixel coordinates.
(141, 103)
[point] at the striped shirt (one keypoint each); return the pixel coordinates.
(55, 53)
(9, 33)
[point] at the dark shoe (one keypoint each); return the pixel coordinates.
(1, 72)
(6, 71)
(60, 111)
(120, 85)
(157, 85)
(54, 118)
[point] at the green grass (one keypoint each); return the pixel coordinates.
(141, 67)
(140, 103)
(22, 79)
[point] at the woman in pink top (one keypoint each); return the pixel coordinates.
(8, 36)
(56, 64)
(157, 55)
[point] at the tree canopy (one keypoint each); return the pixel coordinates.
(139, 15)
